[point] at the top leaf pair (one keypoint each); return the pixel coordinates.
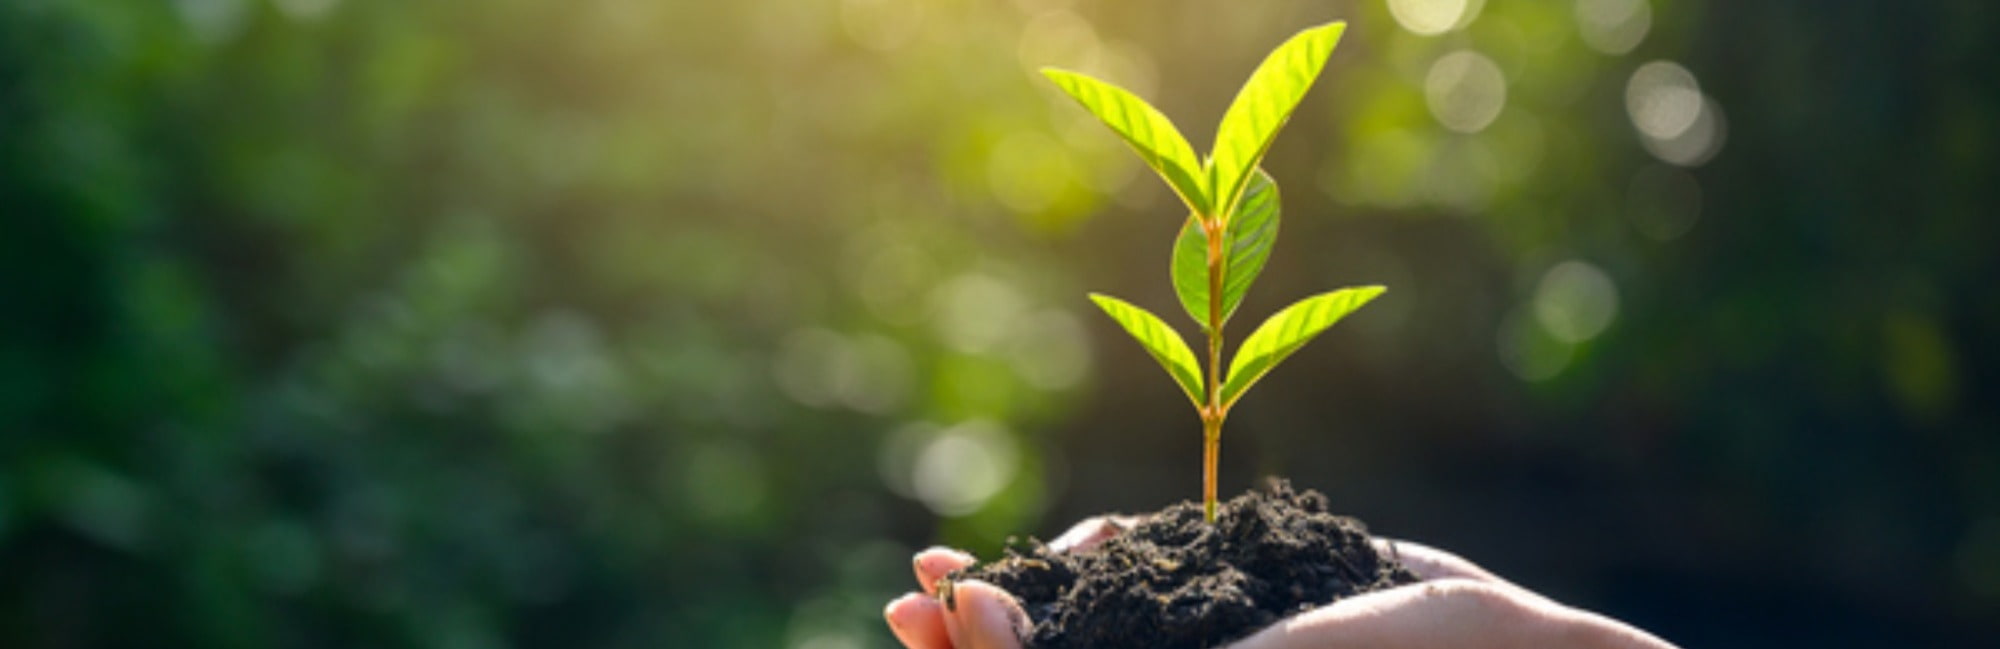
(1212, 186)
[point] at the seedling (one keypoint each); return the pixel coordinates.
(1231, 225)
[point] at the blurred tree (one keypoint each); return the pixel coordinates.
(620, 323)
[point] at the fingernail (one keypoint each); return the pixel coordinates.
(941, 560)
(939, 549)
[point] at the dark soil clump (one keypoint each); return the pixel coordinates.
(1175, 582)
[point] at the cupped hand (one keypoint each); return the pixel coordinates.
(1458, 604)
(982, 616)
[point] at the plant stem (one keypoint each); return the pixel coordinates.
(1211, 447)
(1213, 414)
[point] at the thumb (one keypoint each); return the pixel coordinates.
(981, 616)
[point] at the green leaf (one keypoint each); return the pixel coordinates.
(1262, 107)
(1149, 132)
(1286, 332)
(1161, 341)
(1247, 243)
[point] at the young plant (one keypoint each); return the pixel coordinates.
(1231, 225)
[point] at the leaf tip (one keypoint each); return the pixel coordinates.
(1333, 29)
(1365, 294)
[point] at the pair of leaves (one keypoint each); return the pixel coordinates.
(1246, 244)
(1211, 187)
(1281, 335)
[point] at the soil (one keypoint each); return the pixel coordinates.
(1175, 582)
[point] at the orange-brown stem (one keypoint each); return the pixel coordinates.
(1213, 414)
(1211, 447)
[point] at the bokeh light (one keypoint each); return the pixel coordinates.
(1433, 17)
(1575, 301)
(976, 312)
(1465, 91)
(1696, 144)
(867, 373)
(1050, 350)
(1060, 36)
(960, 467)
(1614, 26)
(1663, 100)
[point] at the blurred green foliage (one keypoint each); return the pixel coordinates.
(628, 323)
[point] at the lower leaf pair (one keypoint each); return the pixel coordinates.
(1273, 341)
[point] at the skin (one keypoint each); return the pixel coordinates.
(1457, 605)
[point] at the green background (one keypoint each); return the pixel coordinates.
(617, 323)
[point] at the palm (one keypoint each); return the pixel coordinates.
(1458, 604)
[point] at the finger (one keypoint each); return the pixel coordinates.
(1090, 532)
(918, 622)
(933, 564)
(1431, 563)
(984, 617)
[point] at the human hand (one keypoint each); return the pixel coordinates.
(1458, 604)
(984, 616)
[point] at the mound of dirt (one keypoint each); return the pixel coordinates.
(1173, 581)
